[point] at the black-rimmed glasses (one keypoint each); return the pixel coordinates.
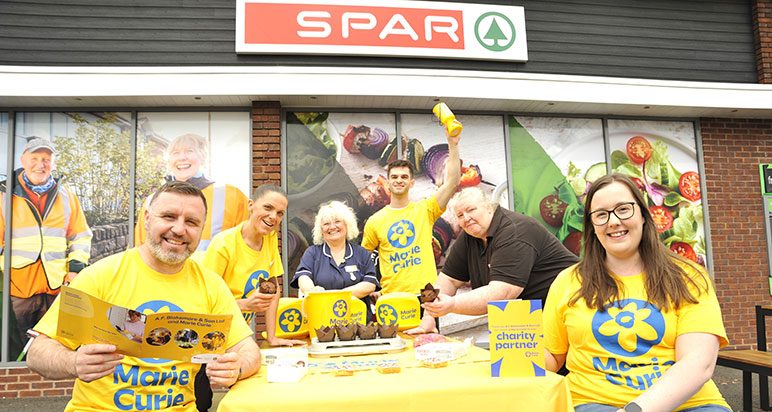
(623, 211)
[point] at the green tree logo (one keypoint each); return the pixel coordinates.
(489, 33)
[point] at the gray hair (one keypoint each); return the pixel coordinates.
(330, 211)
(475, 193)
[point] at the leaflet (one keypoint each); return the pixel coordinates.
(190, 337)
(516, 338)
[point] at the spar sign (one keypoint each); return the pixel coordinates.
(383, 28)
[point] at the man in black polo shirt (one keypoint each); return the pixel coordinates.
(502, 254)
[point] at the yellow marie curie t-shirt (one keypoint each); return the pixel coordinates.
(403, 238)
(125, 280)
(615, 355)
(241, 266)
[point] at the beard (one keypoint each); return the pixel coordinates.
(166, 256)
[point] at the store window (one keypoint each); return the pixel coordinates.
(72, 171)
(553, 162)
(661, 157)
(70, 188)
(343, 156)
(555, 159)
(211, 150)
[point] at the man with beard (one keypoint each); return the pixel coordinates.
(156, 276)
(402, 231)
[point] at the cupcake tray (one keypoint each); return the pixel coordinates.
(355, 347)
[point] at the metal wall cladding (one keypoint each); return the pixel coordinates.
(697, 40)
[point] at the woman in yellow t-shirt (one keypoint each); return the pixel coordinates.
(637, 326)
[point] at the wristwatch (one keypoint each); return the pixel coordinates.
(632, 407)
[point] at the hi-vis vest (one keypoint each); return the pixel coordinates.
(60, 235)
(226, 207)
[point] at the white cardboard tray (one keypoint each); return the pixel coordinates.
(355, 347)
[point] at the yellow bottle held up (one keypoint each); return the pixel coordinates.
(448, 119)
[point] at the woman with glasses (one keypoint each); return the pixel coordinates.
(637, 326)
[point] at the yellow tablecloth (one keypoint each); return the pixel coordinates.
(465, 385)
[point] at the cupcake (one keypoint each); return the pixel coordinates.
(388, 331)
(267, 286)
(346, 332)
(367, 331)
(325, 334)
(429, 293)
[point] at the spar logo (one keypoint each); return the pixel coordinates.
(157, 306)
(340, 308)
(629, 327)
(253, 281)
(401, 234)
(290, 320)
(387, 315)
(494, 31)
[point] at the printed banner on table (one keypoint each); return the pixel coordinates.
(181, 336)
(516, 338)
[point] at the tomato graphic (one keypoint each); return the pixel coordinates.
(552, 210)
(639, 184)
(663, 219)
(689, 186)
(470, 176)
(638, 149)
(573, 242)
(684, 250)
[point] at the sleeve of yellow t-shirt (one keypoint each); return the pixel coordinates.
(276, 269)
(216, 257)
(433, 208)
(370, 238)
(49, 323)
(555, 332)
(704, 316)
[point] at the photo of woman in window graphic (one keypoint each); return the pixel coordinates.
(185, 158)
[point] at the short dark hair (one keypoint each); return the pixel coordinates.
(267, 188)
(181, 188)
(400, 163)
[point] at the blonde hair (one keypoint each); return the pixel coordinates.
(197, 142)
(330, 211)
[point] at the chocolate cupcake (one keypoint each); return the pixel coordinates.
(346, 332)
(429, 293)
(325, 334)
(367, 331)
(388, 331)
(267, 286)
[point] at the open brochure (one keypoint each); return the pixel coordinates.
(193, 337)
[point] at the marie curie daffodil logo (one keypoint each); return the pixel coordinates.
(629, 327)
(290, 320)
(340, 308)
(401, 234)
(387, 315)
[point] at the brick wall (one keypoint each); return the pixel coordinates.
(266, 143)
(266, 160)
(22, 383)
(733, 150)
(762, 31)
